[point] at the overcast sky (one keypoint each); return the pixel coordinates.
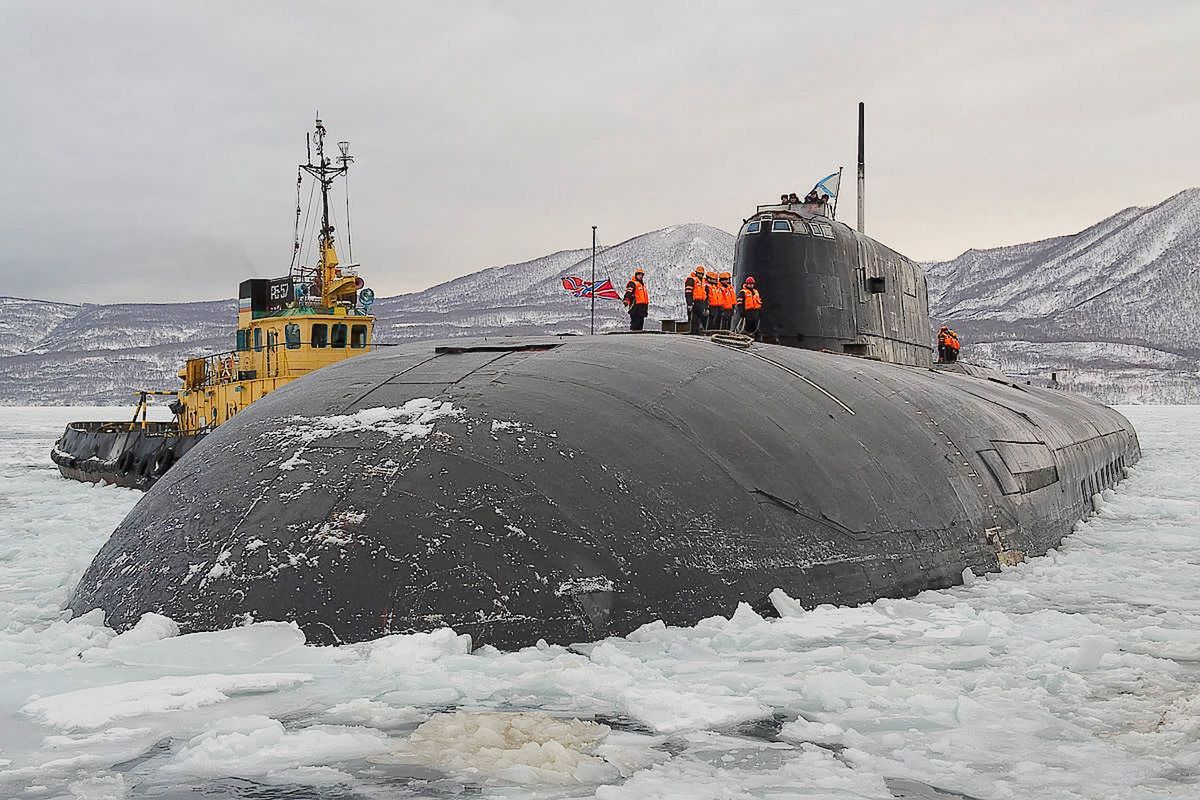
(151, 148)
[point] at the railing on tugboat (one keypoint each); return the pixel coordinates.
(269, 360)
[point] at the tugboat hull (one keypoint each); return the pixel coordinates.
(134, 455)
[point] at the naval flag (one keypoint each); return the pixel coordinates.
(829, 185)
(581, 288)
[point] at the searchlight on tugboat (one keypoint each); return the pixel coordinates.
(286, 328)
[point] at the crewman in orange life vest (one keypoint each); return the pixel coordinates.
(698, 305)
(952, 346)
(637, 299)
(713, 290)
(689, 290)
(749, 303)
(728, 298)
(943, 338)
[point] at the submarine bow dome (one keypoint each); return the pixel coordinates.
(572, 488)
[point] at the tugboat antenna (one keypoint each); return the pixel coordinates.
(323, 176)
(345, 159)
(325, 173)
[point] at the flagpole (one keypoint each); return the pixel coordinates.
(593, 280)
(839, 192)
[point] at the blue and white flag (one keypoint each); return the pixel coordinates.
(829, 185)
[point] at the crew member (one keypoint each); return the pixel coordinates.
(698, 307)
(637, 299)
(749, 303)
(689, 289)
(812, 198)
(942, 340)
(952, 346)
(713, 289)
(728, 299)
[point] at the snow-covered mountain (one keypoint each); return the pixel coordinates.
(1110, 309)
(57, 353)
(529, 297)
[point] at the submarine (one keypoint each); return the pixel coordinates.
(570, 488)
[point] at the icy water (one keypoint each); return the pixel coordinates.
(1076, 675)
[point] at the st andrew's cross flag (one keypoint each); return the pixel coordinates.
(581, 288)
(829, 185)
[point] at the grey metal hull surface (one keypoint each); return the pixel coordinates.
(590, 485)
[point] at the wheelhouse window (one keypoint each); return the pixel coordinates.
(358, 336)
(338, 339)
(291, 334)
(753, 227)
(257, 339)
(781, 225)
(320, 334)
(243, 339)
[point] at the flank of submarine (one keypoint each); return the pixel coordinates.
(570, 488)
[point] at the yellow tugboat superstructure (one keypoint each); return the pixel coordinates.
(278, 341)
(286, 328)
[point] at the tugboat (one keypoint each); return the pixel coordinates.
(287, 327)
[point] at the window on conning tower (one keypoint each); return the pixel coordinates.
(753, 227)
(781, 225)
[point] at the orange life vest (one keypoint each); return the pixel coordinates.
(952, 342)
(728, 296)
(699, 291)
(943, 337)
(640, 296)
(751, 300)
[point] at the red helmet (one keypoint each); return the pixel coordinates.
(750, 279)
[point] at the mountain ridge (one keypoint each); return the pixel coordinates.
(1102, 308)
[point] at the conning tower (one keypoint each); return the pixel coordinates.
(828, 287)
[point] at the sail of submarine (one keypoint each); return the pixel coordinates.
(571, 488)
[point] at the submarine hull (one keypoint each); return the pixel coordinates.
(134, 455)
(572, 488)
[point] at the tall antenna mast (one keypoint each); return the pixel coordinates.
(345, 159)
(324, 173)
(323, 169)
(862, 173)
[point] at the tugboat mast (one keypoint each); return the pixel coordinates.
(324, 173)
